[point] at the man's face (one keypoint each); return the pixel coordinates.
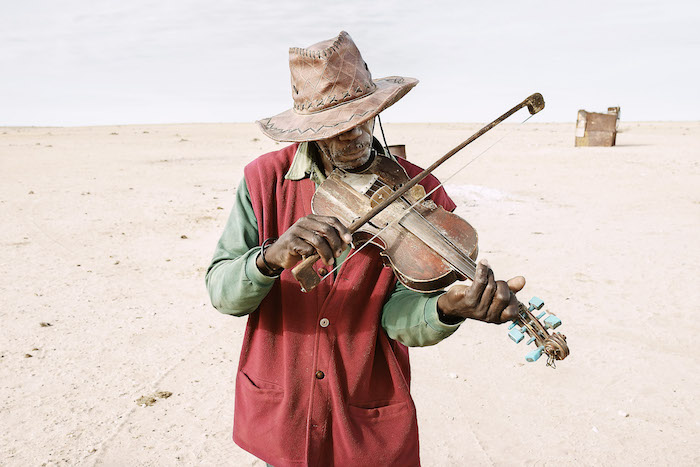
(348, 150)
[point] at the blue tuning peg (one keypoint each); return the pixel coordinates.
(515, 335)
(532, 339)
(534, 354)
(541, 314)
(552, 322)
(536, 303)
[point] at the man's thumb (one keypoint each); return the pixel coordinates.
(516, 284)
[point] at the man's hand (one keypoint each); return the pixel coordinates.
(311, 234)
(485, 300)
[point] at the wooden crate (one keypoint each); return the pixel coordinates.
(597, 129)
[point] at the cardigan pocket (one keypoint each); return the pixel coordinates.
(387, 434)
(263, 424)
(261, 385)
(381, 409)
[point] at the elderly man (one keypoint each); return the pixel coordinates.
(324, 376)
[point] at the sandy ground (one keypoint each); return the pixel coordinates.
(107, 232)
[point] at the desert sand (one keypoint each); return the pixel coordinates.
(107, 233)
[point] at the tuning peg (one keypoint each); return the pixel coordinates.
(552, 322)
(534, 354)
(516, 335)
(536, 303)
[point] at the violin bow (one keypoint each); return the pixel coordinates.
(304, 272)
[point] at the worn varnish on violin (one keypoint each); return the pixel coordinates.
(428, 247)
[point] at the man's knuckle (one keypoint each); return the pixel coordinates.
(315, 239)
(327, 230)
(301, 248)
(502, 292)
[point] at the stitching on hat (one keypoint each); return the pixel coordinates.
(325, 52)
(321, 75)
(371, 87)
(343, 100)
(271, 126)
(335, 80)
(328, 101)
(268, 125)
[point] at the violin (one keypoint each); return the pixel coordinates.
(427, 247)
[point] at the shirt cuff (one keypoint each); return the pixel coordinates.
(432, 319)
(253, 273)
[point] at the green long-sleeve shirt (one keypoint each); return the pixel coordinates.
(236, 286)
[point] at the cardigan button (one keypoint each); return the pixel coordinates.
(324, 322)
(319, 374)
(322, 271)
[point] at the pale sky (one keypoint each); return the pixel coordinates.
(81, 62)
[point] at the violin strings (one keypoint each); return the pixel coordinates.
(469, 261)
(357, 250)
(468, 264)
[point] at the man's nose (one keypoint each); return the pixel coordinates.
(351, 134)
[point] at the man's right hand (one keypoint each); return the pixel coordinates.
(309, 235)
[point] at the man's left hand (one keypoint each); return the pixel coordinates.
(486, 299)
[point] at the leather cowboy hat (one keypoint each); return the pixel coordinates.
(333, 91)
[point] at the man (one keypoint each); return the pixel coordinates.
(324, 376)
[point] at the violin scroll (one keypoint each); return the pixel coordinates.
(553, 345)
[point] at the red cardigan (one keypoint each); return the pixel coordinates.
(319, 382)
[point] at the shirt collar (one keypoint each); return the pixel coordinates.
(304, 163)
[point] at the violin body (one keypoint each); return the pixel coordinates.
(427, 247)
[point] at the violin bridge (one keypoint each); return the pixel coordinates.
(380, 195)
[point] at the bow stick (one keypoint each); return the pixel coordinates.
(304, 273)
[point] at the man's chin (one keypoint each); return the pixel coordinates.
(352, 163)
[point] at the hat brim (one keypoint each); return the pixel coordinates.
(294, 127)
